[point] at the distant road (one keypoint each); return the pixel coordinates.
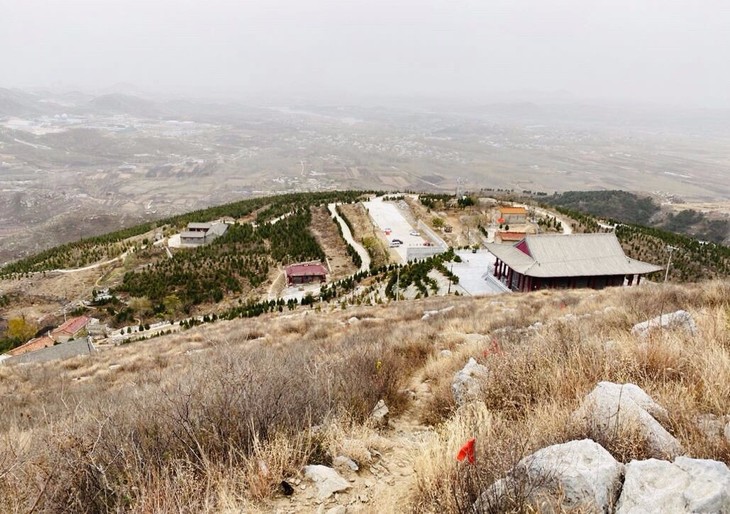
(361, 251)
(90, 266)
(565, 222)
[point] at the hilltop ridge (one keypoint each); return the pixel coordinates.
(219, 417)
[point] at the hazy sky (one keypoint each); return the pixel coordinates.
(668, 51)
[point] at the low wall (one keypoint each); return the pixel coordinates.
(422, 252)
(60, 351)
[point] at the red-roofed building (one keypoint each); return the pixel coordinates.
(70, 328)
(34, 344)
(506, 236)
(305, 273)
(513, 215)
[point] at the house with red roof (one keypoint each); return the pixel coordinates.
(305, 273)
(37, 343)
(70, 329)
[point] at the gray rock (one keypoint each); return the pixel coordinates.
(582, 474)
(474, 338)
(687, 485)
(611, 407)
(379, 414)
(680, 319)
(353, 320)
(345, 463)
(429, 314)
(327, 480)
(445, 353)
(714, 427)
(466, 385)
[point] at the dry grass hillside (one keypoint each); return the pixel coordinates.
(216, 418)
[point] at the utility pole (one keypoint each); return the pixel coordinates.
(397, 283)
(669, 261)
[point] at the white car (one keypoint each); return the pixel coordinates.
(415, 233)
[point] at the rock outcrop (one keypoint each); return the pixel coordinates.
(327, 480)
(466, 385)
(680, 319)
(582, 473)
(686, 485)
(615, 408)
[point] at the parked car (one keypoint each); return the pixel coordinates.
(415, 233)
(394, 244)
(387, 231)
(397, 241)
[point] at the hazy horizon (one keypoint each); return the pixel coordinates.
(667, 52)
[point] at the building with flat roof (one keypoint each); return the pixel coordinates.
(564, 261)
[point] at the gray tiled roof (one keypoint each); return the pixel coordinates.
(192, 235)
(570, 255)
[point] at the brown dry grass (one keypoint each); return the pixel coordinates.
(212, 419)
(536, 384)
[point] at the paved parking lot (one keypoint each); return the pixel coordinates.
(387, 215)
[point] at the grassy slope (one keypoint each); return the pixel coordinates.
(214, 418)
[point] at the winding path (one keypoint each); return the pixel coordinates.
(347, 234)
(90, 266)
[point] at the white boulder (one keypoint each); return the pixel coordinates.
(611, 408)
(466, 385)
(379, 414)
(679, 319)
(687, 485)
(581, 474)
(326, 479)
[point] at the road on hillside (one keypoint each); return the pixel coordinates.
(91, 266)
(361, 251)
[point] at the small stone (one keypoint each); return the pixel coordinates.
(327, 480)
(379, 414)
(445, 353)
(343, 463)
